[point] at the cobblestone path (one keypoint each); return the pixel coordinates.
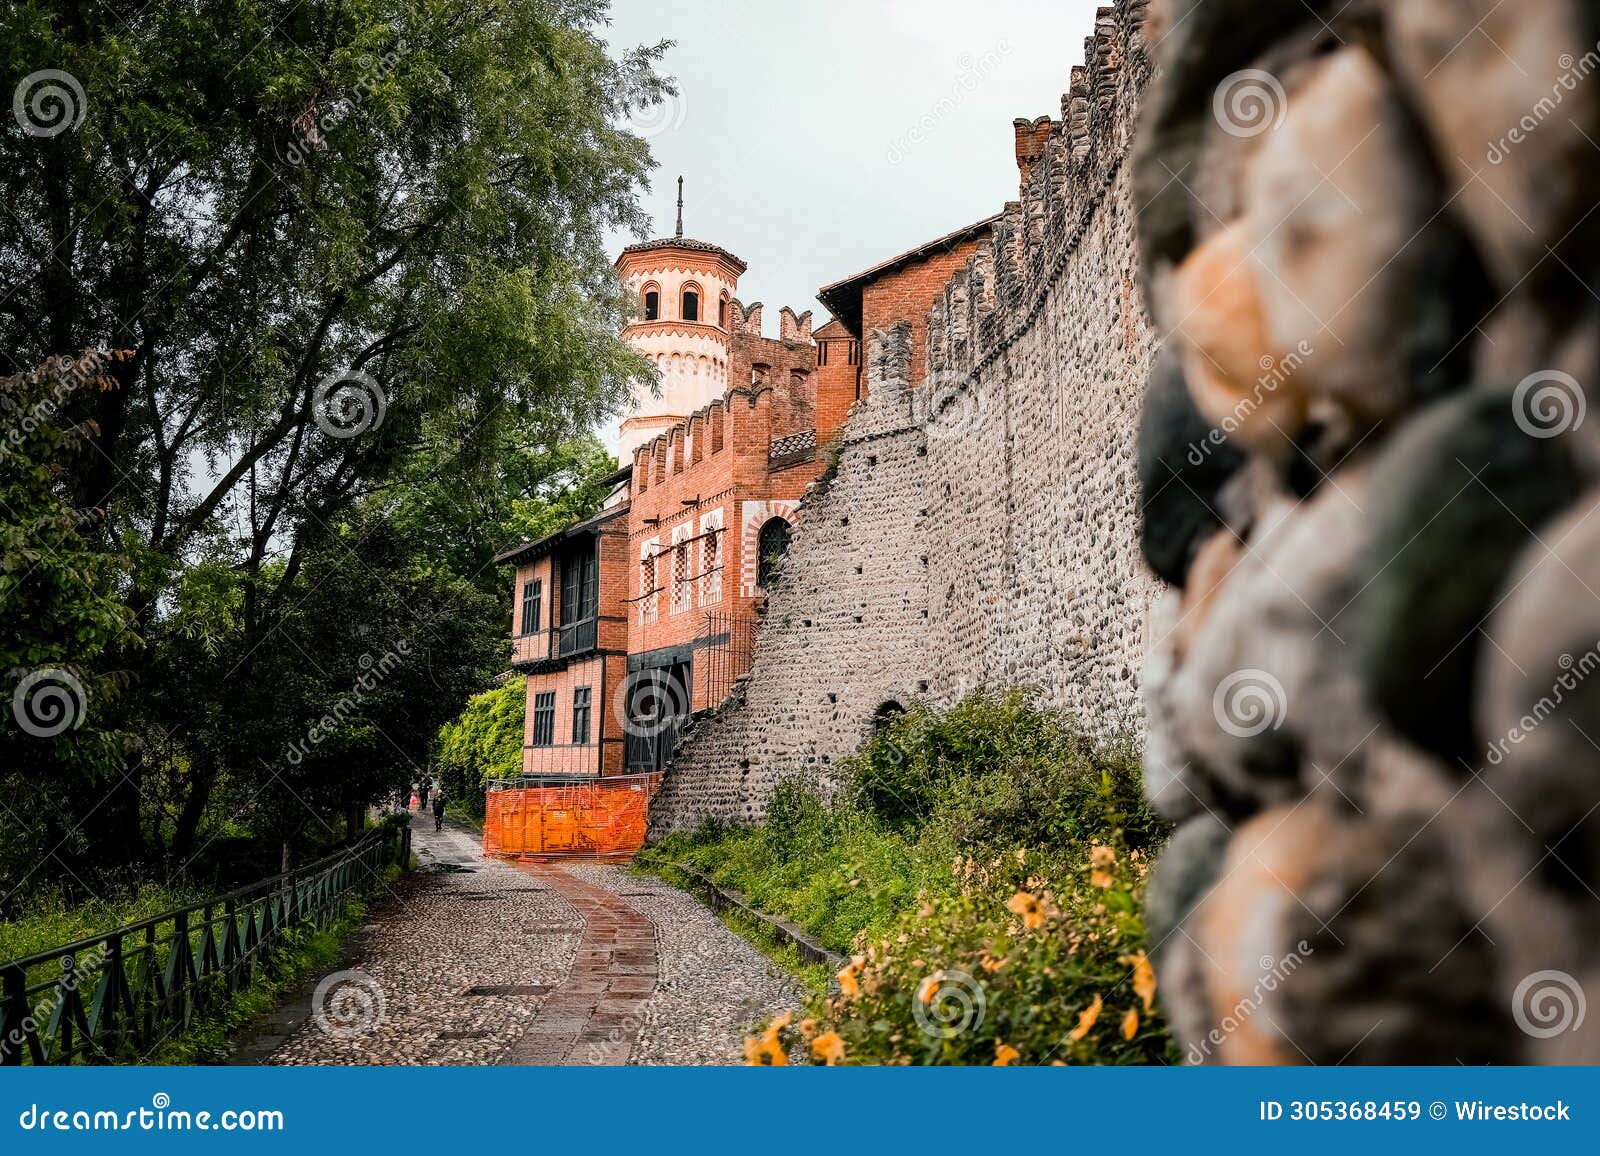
(477, 961)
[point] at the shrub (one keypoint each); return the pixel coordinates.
(1011, 969)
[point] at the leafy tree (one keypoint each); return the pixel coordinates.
(485, 742)
(62, 612)
(336, 241)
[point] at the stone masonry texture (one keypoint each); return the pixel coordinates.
(981, 526)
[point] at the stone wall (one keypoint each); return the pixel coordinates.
(982, 529)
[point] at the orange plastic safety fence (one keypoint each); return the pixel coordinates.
(594, 818)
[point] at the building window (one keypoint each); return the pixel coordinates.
(648, 593)
(771, 546)
(691, 305)
(532, 605)
(822, 352)
(652, 305)
(544, 719)
(711, 579)
(580, 716)
(680, 579)
(722, 313)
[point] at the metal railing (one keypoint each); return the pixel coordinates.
(118, 995)
(728, 645)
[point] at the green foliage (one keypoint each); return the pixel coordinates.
(53, 919)
(256, 203)
(945, 819)
(62, 621)
(998, 772)
(484, 742)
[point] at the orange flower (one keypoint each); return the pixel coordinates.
(1102, 857)
(848, 984)
(1130, 1024)
(1086, 1019)
(829, 1048)
(1144, 978)
(764, 1051)
(1027, 906)
(1102, 879)
(1005, 1055)
(929, 989)
(808, 1029)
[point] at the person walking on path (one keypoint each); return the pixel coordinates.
(422, 795)
(438, 811)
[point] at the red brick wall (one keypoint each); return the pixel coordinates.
(907, 295)
(839, 378)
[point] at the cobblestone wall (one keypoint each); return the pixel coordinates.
(982, 529)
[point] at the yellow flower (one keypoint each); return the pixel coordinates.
(1005, 1055)
(764, 1051)
(1022, 854)
(829, 1048)
(1028, 907)
(848, 984)
(1144, 978)
(779, 1023)
(1130, 1024)
(1102, 856)
(1086, 1019)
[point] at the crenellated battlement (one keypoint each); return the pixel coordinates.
(793, 327)
(1065, 167)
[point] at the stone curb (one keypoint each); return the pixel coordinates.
(810, 950)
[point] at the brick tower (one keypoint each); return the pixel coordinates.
(684, 291)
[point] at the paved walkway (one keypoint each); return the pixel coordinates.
(477, 961)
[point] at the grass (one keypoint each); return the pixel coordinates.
(52, 921)
(300, 954)
(995, 846)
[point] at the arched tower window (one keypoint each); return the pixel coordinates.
(652, 303)
(691, 303)
(772, 544)
(722, 313)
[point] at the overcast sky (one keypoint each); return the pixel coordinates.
(818, 139)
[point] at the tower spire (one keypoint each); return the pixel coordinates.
(680, 206)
